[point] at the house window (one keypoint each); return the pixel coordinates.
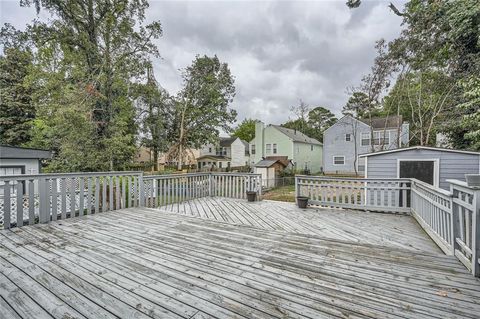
(348, 137)
(209, 149)
(268, 148)
(381, 138)
(311, 147)
(365, 139)
(220, 164)
(339, 160)
(253, 149)
(274, 148)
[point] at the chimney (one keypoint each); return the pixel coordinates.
(259, 139)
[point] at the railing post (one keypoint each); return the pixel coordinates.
(455, 222)
(297, 187)
(141, 191)
(44, 201)
(210, 184)
(476, 232)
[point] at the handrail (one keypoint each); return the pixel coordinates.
(56, 175)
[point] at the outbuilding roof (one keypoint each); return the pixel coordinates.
(7, 151)
(419, 148)
(270, 162)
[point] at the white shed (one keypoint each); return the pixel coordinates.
(432, 165)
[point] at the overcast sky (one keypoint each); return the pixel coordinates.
(279, 52)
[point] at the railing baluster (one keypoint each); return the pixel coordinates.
(63, 198)
(19, 202)
(54, 199)
(31, 202)
(6, 205)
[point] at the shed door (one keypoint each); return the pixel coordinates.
(421, 170)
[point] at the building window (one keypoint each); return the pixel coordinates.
(209, 149)
(339, 160)
(365, 139)
(219, 164)
(381, 138)
(274, 148)
(268, 148)
(348, 137)
(311, 147)
(253, 149)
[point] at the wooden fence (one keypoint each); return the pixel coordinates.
(41, 198)
(450, 218)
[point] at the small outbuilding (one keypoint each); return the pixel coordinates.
(270, 168)
(20, 160)
(432, 165)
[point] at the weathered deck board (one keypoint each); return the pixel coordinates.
(151, 263)
(374, 228)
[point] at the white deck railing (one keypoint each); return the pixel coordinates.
(450, 218)
(41, 198)
(367, 193)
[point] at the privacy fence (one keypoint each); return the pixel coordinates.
(30, 199)
(451, 218)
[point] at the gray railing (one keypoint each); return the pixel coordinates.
(41, 198)
(450, 218)
(358, 193)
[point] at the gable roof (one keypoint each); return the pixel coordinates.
(419, 148)
(296, 135)
(227, 141)
(23, 152)
(269, 163)
(393, 121)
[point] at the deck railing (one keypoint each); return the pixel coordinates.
(450, 218)
(367, 193)
(41, 198)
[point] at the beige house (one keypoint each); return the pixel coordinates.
(144, 156)
(230, 152)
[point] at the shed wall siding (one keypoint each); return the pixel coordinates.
(451, 165)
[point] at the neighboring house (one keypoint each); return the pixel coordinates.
(230, 152)
(350, 137)
(270, 168)
(144, 156)
(429, 164)
(20, 161)
(273, 140)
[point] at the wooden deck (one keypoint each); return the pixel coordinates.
(147, 263)
(392, 230)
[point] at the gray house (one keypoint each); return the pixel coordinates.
(350, 137)
(429, 164)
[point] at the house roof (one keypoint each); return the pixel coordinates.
(282, 159)
(419, 148)
(393, 121)
(268, 163)
(7, 151)
(296, 135)
(214, 157)
(227, 141)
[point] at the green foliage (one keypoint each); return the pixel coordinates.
(202, 106)
(317, 121)
(471, 108)
(88, 58)
(246, 130)
(16, 108)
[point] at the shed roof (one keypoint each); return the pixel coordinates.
(439, 149)
(269, 163)
(296, 135)
(7, 151)
(214, 157)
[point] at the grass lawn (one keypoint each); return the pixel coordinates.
(283, 194)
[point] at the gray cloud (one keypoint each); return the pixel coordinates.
(278, 52)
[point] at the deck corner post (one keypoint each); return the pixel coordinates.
(141, 191)
(476, 232)
(297, 187)
(455, 221)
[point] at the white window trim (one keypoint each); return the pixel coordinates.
(436, 167)
(369, 137)
(333, 160)
(350, 135)
(267, 151)
(274, 148)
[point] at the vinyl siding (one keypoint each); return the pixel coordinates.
(451, 165)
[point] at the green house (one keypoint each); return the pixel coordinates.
(273, 140)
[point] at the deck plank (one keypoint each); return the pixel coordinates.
(219, 258)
